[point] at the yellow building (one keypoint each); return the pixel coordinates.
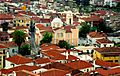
(2, 55)
(110, 54)
(21, 20)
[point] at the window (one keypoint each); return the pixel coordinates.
(13, 50)
(19, 20)
(2, 39)
(0, 58)
(27, 24)
(13, 65)
(116, 60)
(70, 21)
(60, 34)
(79, 53)
(104, 45)
(68, 35)
(110, 60)
(14, 25)
(87, 70)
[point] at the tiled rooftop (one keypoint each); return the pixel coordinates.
(17, 59)
(79, 64)
(97, 34)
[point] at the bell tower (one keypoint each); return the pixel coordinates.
(69, 17)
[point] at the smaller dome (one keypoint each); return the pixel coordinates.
(57, 20)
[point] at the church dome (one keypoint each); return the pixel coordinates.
(57, 20)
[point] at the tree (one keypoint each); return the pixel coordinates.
(64, 44)
(94, 28)
(18, 37)
(25, 49)
(103, 27)
(84, 29)
(47, 38)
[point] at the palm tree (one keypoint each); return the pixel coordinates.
(18, 37)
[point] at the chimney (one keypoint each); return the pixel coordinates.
(67, 54)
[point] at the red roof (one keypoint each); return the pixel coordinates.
(54, 72)
(54, 55)
(108, 49)
(42, 60)
(76, 23)
(105, 64)
(19, 60)
(46, 46)
(18, 68)
(6, 17)
(101, 12)
(24, 73)
(3, 46)
(21, 27)
(58, 65)
(35, 18)
(27, 13)
(40, 26)
(45, 20)
(79, 64)
(9, 44)
(91, 19)
(68, 29)
(97, 34)
(100, 41)
(115, 71)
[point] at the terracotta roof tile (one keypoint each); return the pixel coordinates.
(91, 19)
(108, 49)
(36, 19)
(49, 46)
(97, 34)
(42, 60)
(100, 41)
(24, 73)
(18, 68)
(79, 64)
(19, 59)
(54, 55)
(68, 28)
(101, 12)
(3, 46)
(39, 26)
(58, 65)
(9, 44)
(105, 64)
(108, 72)
(21, 27)
(54, 72)
(6, 17)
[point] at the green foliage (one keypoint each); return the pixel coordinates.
(18, 37)
(84, 29)
(47, 38)
(103, 27)
(64, 44)
(118, 44)
(93, 28)
(25, 50)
